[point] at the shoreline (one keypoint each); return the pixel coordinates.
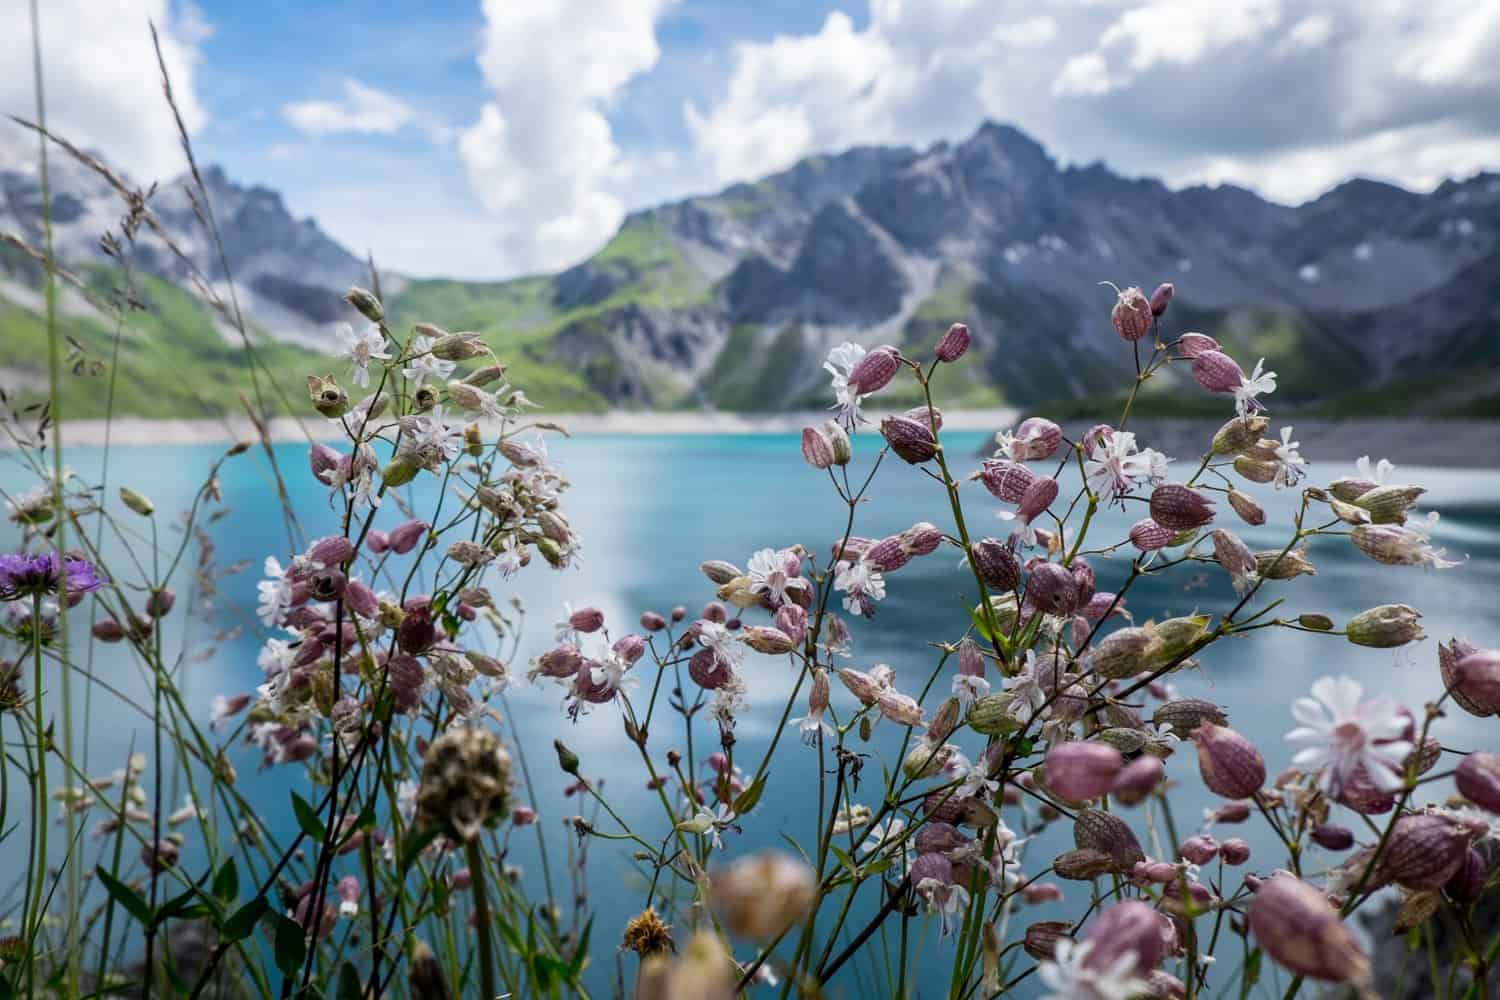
(1424, 441)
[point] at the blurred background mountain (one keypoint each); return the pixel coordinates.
(1369, 299)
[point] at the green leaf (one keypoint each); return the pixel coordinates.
(307, 817)
(350, 988)
(747, 799)
(227, 882)
(877, 866)
(581, 952)
(175, 906)
(127, 897)
(241, 922)
(291, 946)
(980, 626)
(844, 859)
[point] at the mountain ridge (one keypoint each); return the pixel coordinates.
(729, 300)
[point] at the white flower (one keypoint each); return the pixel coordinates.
(710, 823)
(1289, 469)
(850, 817)
(840, 363)
(768, 575)
(1378, 473)
(862, 585)
(947, 901)
(422, 364)
(1067, 978)
(724, 644)
(609, 673)
(968, 689)
(888, 834)
(1343, 728)
(1114, 466)
(275, 594)
(1027, 695)
(1257, 382)
(975, 781)
(361, 348)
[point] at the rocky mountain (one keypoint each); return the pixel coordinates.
(730, 300)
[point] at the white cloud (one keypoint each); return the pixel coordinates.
(361, 109)
(1288, 96)
(541, 156)
(103, 89)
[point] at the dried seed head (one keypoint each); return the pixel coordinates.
(327, 396)
(1131, 315)
(952, 345)
(1389, 504)
(838, 440)
(1385, 627)
(646, 935)
(1006, 480)
(459, 346)
(1300, 929)
(1257, 470)
(1425, 850)
(1041, 939)
(874, 371)
(1239, 434)
(1332, 837)
(996, 564)
(760, 896)
(1229, 763)
(1278, 565)
(465, 784)
(1079, 772)
(1102, 831)
(910, 439)
(1179, 507)
(1082, 865)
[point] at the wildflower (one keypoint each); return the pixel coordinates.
(348, 893)
(1377, 473)
(772, 572)
(225, 708)
(1258, 382)
(361, 348)
(1349, 732)
(1082, 771)
(761, 896)
(422, 364)
(710, 823)
(1035, 439)
(46, 575)
(1027, 696)
(1113, 466)
(1401, 544)
(720, 641)
(1289, 471)
(850, 817)
(646, 935)
(970, 683)
(840, 364)
(1069, 976)
(862, 585)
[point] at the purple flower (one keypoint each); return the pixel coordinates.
(23, 575)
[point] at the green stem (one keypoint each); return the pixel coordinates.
(482, 918)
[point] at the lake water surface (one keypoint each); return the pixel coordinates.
(650, 509)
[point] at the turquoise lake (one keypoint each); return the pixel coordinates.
(650, 509)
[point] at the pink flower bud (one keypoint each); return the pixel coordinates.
(952, 345)
(1248, 510)
(361, 599)
(970, 658)
(1478, 677)
(1131, 315)
(629, 647)
(332, 551)
(1468, 883)
(715, 612)
(996, 564)
(1052, 589)
(1332, 837)
(1425, 850)
(322, 460)
(1161, 298)
(1037, 498)
(1083, 579)
(377, 541)
(1148, 536)
(921, 539)
(523, 815)
(887, 555)
(1128, 928)
(1041, 892)
(1217, 372)
(771, 641)
(927, 416)
(652, 622)
(1007, 481)
(1229, 763)
(405, 676)
(860, 684)
(1450, 654)
(911, 440)
(1200, 850)
(792, 620)
(1138, 779)
(1296, 925)
(563, 661)
(1101, 604)
(932, 866)
(1079, 772)
(1234, 851)
(899, 708)
(159, 603)
(940, 838)
(709, 670)
(404, 537)
(588, 619)
(874, 371)
(1232, 812)
(1190, 345)
(1180, 508)
(817, 450)
(1478, 780)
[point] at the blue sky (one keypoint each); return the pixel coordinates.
(487, 138)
